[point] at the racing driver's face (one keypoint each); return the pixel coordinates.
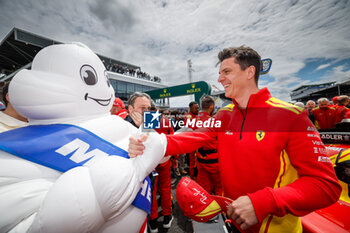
(231, 77)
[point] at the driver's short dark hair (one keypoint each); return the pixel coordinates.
(244, 56)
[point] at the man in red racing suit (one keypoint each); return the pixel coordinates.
(324, 115)
(272, 161)
(192, 116)
(162, 185)
(271, 152)
(207, 156)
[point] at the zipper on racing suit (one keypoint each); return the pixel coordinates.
(244, 116)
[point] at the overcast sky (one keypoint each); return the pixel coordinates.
(308, 41)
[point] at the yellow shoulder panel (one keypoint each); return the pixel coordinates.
(281, 104)
(228, 107)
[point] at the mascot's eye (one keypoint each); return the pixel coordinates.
(107, 79)
(88, 75)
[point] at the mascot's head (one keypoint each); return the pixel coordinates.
(67, 81)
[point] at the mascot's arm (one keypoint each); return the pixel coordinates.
(155, 147)
(130, 172)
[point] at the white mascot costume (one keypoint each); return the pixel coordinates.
(69, 171)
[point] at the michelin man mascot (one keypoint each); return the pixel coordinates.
(69, 171)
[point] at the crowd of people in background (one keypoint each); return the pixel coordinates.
(131, 72)
(324, 114)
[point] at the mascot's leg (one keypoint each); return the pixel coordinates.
(130, 221)
(70, 205)
(84, 198)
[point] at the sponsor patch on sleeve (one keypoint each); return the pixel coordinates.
(324, 159)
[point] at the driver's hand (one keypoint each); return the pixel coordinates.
(136, 146)
(242, 211)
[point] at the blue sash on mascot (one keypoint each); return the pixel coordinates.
(63, 147)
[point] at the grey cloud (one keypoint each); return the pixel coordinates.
(114, 14)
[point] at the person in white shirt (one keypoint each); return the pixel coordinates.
(9, 117)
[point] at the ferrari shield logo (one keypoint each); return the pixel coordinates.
(260, 135)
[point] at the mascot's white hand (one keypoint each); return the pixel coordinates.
(136, 146)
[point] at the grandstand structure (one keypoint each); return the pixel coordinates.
(19, 47)
(316, 91)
